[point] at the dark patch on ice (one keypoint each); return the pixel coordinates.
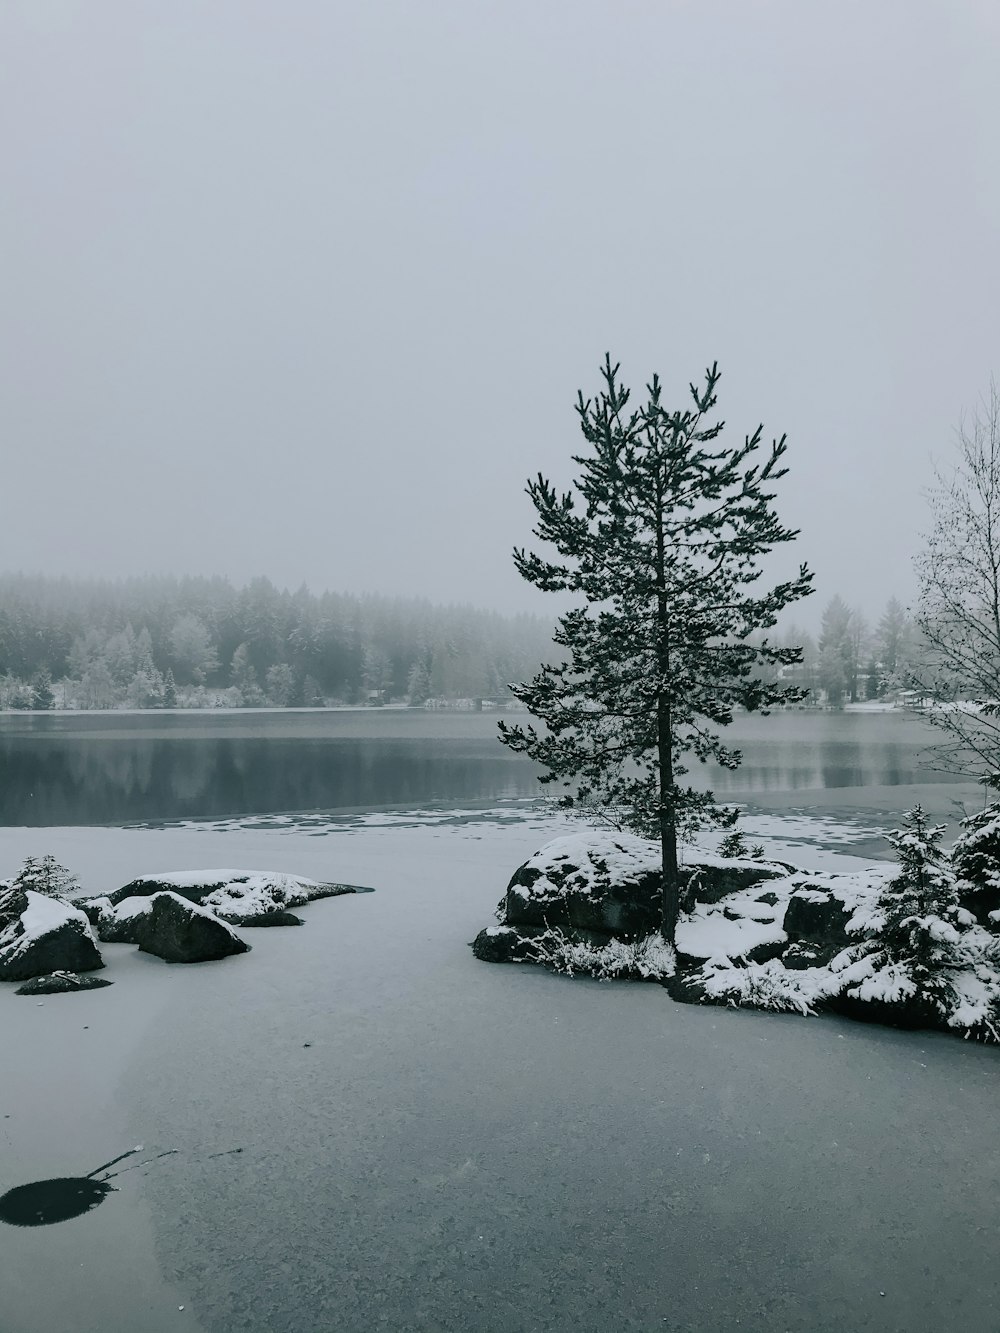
(41, 1203)
(44, 1202)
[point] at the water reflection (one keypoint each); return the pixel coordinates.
(92, 769)
(99, 781)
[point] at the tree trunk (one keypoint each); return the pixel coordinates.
(669, 892)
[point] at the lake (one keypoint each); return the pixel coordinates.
(119, 768)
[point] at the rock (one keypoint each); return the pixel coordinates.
(800, 955)
(608, 883)
(911, 1013)
(686, 988)
(55, 982)
(180, 931)
(40, 934)
(711, 880)
(507, 944)
(817, 916)
(763, 953)
(237, 893)
(117, 924)
(263, 919)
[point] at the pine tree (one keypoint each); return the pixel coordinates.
(169, 690)
(914, 940)
(41, 690)
(45, 876)
(662, 542)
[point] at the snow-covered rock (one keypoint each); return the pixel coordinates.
(746, 924)
(41, 934)
(116, 923)
(180, 931)
(52, 983)
(610, 882)
(241, 897)
(607, 882)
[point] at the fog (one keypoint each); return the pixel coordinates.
(309, 290)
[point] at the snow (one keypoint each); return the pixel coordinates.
(596, 856)
(128, 908)
(737, 924)
(42, 914)
(254, 879)
(767, 985)
(45, 913)
(197, 909)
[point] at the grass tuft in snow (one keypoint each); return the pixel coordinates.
(647, 959)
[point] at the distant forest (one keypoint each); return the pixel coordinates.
(201, 642)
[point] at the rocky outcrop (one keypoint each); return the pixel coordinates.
(55, 982)
(40, 934)
(235, 895)
(180, 931)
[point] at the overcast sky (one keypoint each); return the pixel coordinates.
(307, 289)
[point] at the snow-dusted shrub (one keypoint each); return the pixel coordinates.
(764, 985)
(646, 959)
(735, 844)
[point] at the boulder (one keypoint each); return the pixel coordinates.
(41, 934)
(608, 883)
(763, 953)
(180, 931)
(801, 955)
(55, 982)
(507, 944)
(816, 915)
(117, 924)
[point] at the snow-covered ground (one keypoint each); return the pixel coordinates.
(427, 1142)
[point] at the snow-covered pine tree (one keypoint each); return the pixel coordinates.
(975, 859)
(662, 543)
(45, 876)
(913, 944)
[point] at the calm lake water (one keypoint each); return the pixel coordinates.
(116, 768)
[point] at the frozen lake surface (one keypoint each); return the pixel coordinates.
(428, 1142)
